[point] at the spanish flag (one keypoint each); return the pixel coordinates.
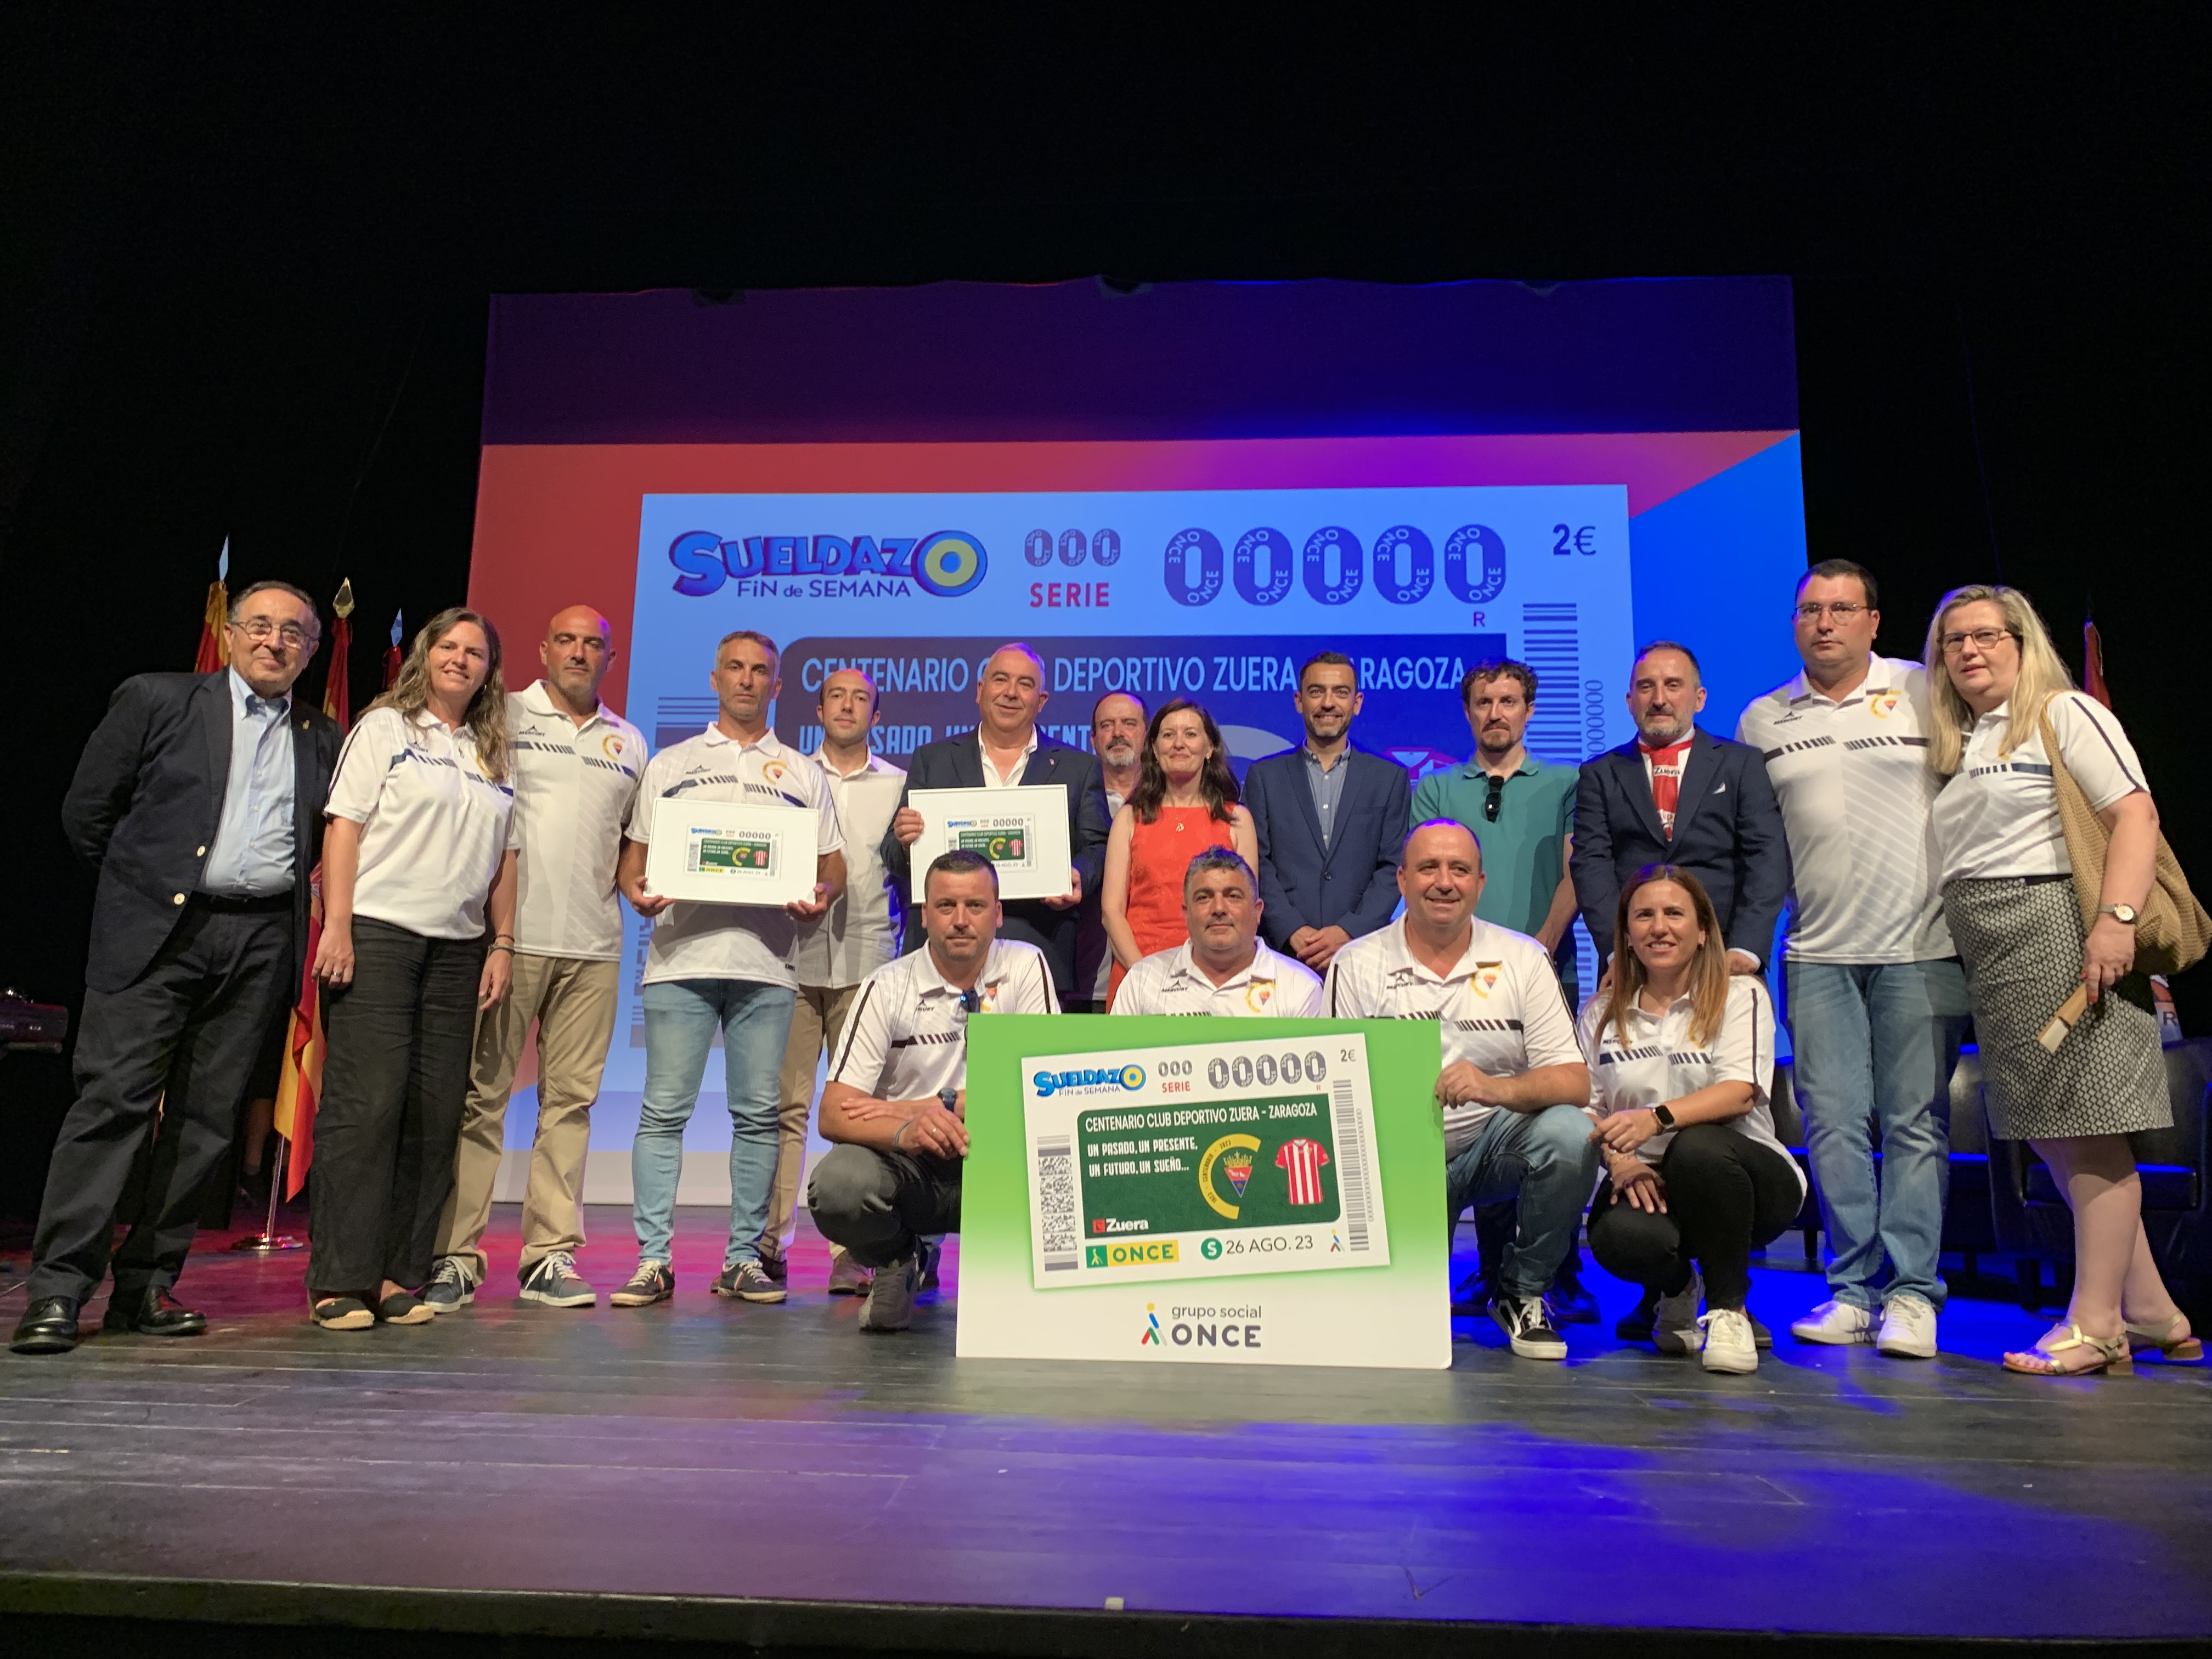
(301, 1082)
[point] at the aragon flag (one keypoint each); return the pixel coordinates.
(215, 643)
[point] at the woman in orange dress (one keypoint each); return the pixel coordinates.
(1185, 802)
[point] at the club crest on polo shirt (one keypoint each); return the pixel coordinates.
(612, 745)
(774, 771)
(1487, 975)
(1258, 993)
(1883, 704)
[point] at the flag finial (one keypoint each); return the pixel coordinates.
(343, 604)
(399, 628)
(222, 562)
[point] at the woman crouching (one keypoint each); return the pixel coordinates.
(1680, 1055)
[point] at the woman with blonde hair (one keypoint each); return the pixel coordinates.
(1680, 1053)
(1999, 697)
(1184, 803)
(416, 856)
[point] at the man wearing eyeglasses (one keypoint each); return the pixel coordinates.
(1521, 810)
(198, 807)
(1877, 1000)
(895, 1103)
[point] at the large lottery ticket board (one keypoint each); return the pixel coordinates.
(1249, 1192)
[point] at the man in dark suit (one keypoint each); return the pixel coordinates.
(1678, 796)
(1006, 751)
(198, 804)
(1331, 820)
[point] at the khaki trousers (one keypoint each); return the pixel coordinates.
(817, 1023)
(572, 1003)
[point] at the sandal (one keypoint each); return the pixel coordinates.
(2184, 1349)
(2113, 1355)
(342, 1313)
(404, 1307)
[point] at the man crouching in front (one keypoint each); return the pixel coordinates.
(896, 1102)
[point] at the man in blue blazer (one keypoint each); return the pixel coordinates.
(199, 806)
(1331, 820)
(1009, 694)
(1678, 796)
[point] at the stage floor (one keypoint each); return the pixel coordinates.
(705, 1449)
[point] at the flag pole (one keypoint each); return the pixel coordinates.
(269, 1241)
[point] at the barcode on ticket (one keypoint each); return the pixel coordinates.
(1060, 1234)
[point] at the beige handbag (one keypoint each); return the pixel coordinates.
(2172, 932)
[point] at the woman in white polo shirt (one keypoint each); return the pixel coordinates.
(1680, 1053)
(1995, 684)
(417, 855)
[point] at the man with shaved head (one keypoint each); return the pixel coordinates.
(1514, 1083)
(1007, 751)
(576, 765)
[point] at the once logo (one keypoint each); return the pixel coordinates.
(1148, 1252)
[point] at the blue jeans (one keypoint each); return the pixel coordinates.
(680, 1019)
(1547, 1162)
(1875, 1045)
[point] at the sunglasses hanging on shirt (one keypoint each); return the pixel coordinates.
(1490, 800)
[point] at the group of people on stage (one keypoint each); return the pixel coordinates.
(472, 843)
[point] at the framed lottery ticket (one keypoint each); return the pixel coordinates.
(727, 852)
(1023, 831)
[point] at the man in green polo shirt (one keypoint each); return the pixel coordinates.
(1521, 810)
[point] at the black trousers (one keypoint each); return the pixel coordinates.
(878, 1204)
(178, 1042)
(395, 1076)
(1726, 1196)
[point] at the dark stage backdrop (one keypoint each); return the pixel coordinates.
(244, 264)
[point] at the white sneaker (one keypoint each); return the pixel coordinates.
(1730, 1345)
(1908, 1327)
(1836, 1323)
(1674, 1326)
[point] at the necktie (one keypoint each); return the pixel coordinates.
(1667, 780)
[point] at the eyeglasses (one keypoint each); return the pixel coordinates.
(1843, 611)
(1490, 801)
(290, 635)
(1985, 639)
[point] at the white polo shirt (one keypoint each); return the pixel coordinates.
(908, 1034)
(1857, 796)
(752, 942)
(1999, 816)
(1500, 1006)
(860, 931)
(1169, 982)
(1654, 1061)
(574, 787)
(432, 826)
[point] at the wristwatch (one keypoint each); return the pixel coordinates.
(950, 1098)
(2125, 914)
(1665, 1115)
